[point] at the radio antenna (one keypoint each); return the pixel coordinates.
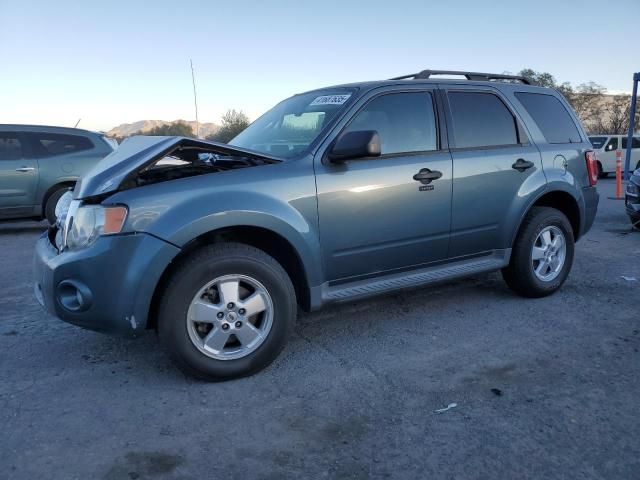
(195, 99)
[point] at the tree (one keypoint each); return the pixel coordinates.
(614, 118)
(178, 129)
(586, 99)
(233, 122)
(599, 112)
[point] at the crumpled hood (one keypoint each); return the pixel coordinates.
(135, 153)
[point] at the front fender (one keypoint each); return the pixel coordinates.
(181, 210)
(286, 222)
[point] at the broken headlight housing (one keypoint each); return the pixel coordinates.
(89, 222)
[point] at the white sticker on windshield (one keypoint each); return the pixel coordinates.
(330, 100)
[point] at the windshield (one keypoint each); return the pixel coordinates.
(597, 142)
(290, 127)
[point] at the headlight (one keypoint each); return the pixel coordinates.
(92, 221)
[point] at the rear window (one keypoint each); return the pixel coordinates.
(597, 142)
(10, 147)
(51, 144)
(481, 120)
(551, 116)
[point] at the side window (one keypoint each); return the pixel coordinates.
(635, 143)
(551, 116)
(51, 144)
(481, 120)
(406, 122)
(10, 147)
(612, 145)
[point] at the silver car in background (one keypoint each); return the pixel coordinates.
(39, 164)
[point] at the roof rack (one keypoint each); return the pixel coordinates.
(425, 74)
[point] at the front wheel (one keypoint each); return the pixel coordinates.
(542, 254)
(227, 312)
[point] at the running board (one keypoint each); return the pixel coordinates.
(414, 278)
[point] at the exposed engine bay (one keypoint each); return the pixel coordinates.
(190, 159)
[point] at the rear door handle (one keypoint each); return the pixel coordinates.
(25, 169)
(426, 176)
(521, 165)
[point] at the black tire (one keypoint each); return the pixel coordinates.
(519, 274)
(203, 266)
(601, 174)
(52, 201)
(635, 222)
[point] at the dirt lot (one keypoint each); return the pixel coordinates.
(544, 388)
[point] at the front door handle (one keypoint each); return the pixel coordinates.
(521, 165)
(25, 169)
(426, 176)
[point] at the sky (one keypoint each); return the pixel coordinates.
(113, 62)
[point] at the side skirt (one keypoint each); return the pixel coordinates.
(355, 290)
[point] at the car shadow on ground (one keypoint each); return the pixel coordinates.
(139, 359)
(12, 227)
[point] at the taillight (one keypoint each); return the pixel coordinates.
(592, 166)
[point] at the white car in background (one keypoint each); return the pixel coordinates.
(606, 146)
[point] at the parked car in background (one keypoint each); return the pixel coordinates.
(333, 195)
(606, 146)
(38, 164)
(632, 199)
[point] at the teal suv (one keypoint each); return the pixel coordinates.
(334, 195)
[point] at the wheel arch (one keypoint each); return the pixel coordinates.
(269, 241)
(561, 200)
(70, 182)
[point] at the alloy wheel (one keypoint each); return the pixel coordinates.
(230, 317)
(549, 253)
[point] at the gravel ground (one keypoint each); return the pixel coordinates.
(544, 388)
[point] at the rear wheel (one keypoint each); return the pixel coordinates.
(227, 312)
(542, 254)
(52, 201)
(601, 174)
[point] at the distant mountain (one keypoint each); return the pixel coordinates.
(128, 129)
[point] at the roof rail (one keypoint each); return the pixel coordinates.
(425, 74)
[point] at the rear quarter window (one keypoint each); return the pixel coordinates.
(552, 118)
(52, 144)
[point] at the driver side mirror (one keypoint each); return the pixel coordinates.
(352, 145)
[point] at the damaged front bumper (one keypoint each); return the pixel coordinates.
(106, 287)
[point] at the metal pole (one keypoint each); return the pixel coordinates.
(195, 99)
(632, 118)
